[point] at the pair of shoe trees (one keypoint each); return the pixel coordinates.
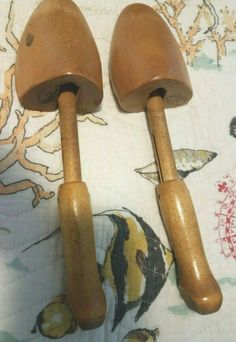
(58, 66)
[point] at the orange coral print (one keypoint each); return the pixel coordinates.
(209, 25)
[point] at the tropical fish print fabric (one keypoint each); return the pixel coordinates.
(135, 261)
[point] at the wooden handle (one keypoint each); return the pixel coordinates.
(160, 138)
(84, 291)
(196, 282)
(197, 285)
(69, 134)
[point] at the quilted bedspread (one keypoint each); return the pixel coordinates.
(143, 301)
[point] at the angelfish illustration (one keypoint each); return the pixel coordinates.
(158, 259)
(136, 267)
(136, 264)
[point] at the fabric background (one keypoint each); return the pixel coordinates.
(117, 165)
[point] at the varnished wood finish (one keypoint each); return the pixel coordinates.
(57, 47)
(69, 137)
(138, 64)
(58, 66)
(147, 71)
(85, 295)
(160, 138)
(197, 285)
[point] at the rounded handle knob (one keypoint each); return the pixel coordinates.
(197, 285)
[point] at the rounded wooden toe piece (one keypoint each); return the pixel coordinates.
(56, 48)
(145, 56)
